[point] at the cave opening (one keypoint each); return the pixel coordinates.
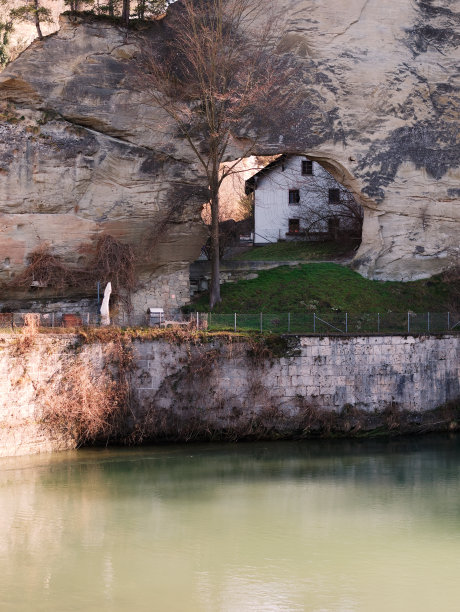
(295, 202)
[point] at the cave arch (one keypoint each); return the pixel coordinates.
(347, 210)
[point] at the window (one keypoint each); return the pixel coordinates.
(294, 226)
(307, 167)
(333, 226)
(294, 196)
(334, 196)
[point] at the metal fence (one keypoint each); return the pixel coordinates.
(11, 321)
(322, 324)
(341, 323)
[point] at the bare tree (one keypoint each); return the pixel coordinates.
(340, 216)
(215, 72)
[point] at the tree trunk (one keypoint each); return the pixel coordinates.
(125, 13)
(141, 9)
(37, 20)
(214, 291)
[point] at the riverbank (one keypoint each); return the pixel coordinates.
(63, 391)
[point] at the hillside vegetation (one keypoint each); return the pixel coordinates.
(325, 286)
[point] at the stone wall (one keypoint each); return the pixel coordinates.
(22, 369)
(226, 387)
(169, 290)
(369, 372)
(231, 271)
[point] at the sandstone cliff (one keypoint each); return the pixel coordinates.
(84, 152)
(81, 153)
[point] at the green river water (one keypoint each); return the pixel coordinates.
(324, 526)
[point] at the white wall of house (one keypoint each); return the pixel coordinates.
(273, 211)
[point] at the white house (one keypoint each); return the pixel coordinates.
(295, 198)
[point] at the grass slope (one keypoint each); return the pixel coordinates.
(296, 251)
(324, 286)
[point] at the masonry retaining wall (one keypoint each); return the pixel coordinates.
(223, 386)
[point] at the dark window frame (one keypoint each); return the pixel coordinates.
(294, 197)
(306, 167)
(333, 224)
(293, 226)
(334, 195)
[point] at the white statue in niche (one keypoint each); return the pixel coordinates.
(105, 315)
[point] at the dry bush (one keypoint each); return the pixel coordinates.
(114, 261)
(314, 420)
(86, 406)
(80, 406)
(44, 270)
(111, 261)
(26, 340)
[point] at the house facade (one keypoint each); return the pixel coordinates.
(296, 198)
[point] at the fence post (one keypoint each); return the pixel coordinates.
(428, 321)
(378, 322)
(261, 323)
(408, 322)
(346, 322)
(52, 319)
(235, 323)
(289, 322)
(197, 319)
(448, 321)
(314, 322)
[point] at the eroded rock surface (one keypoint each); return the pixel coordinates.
(384, 110)
(86, 152)
(81, 153)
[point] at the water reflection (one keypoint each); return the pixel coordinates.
(288, 526)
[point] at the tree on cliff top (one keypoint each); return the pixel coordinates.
(216, 77)
(143, 9)
(32, 11)
(6, 27)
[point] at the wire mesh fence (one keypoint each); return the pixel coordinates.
(12, 321)
(338, 323)
(323, 324)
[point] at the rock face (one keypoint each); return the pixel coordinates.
(383, 110)
(82, 151)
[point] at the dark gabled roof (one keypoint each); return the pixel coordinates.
(251, 183)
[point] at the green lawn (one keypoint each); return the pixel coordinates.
(325, 287)
(296, 251)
